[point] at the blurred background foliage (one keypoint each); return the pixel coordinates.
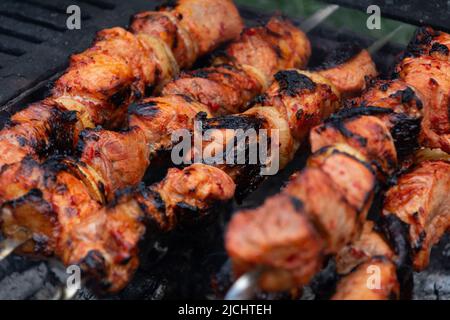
(351, 19)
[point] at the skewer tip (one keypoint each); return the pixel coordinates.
(245, 287)
(7, 246)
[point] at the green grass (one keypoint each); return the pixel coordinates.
(352, 19)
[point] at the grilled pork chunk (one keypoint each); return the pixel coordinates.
(105, 240)
(116, 70)
(351, 149)
(420, 199)
(226, 87)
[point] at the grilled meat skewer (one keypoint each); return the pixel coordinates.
(295, 102)
(121, 65)
(52, 204)
(427, 41)
(429, 54)
(418, 202)
(244, 70)
(351, 150)
(417, 205)
(187, 195)
(106, 239)
(307, 228)
(112, 160)
(420, 199)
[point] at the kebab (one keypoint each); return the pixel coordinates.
(351, 150)
(120, 159)
(419, 207)
(104, 239)
(54, 198)
(117, 160)
(110, 160)
(120, 67)
(414, 216)
(105, 242)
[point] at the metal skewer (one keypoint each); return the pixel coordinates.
(318, 17)
(245, 287)
(7, 246)
(65, 293)
(380, 43)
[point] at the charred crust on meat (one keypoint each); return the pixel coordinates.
(34, 195)
(439, 48)
(186, 207)
(186, 98)
(158, 204)
(121, 96)
(278, 51)
(340, 126)
(79, 148)
(296, 203)
(187, 214)
(144, 109)
(396, 232)
(148, 90)
(324, 283)
(54, 165)
(364, 110)
(201, 73)
(60, 133)
(121, 196)
(337, 120)
(344, 53)
(94, 263)
(248, 179)
(22, 141)
(406, 96)
(138, 94)
(101, 188)
(244, 122)
(421, 39)
(405, 133)
(417, 245)
(258, 100)
(69, 116)
(422, 36)
(384, 86)
(292, 82)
